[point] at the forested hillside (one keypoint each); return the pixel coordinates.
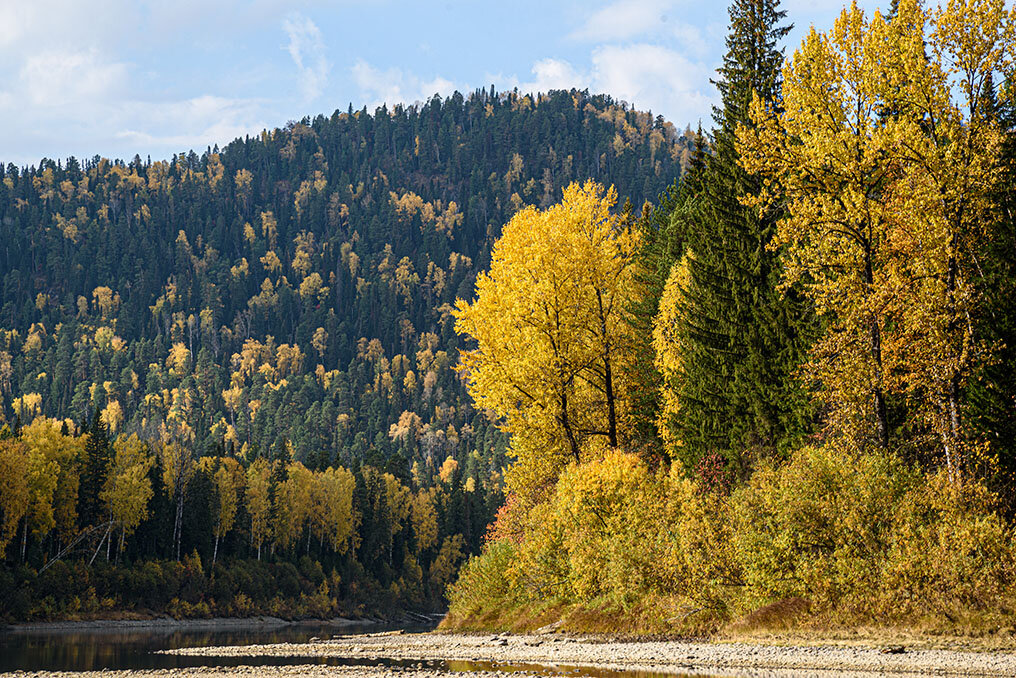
(272, 321)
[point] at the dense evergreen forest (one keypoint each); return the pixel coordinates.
(228, 382)
(785, 396)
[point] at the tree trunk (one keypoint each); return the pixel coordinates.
(178, 524)
(566, 423)
(608, 378)
(881, 418)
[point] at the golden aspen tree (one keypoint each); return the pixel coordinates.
(884, 162)
(667, 347)
(423, 515)
(398, 498)
(64, 453)
(225, 503)
(177, 471)
(128, 488)
(333, 518)
(42, 474)
(550, 331)
(293, 504)
(14, 489)
(257, 502)
(448, 468)
(319, 341)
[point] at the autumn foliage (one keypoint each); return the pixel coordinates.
(874, 170)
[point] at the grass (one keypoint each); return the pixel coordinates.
(789, 622)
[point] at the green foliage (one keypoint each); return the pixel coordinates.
(282, 303)
(740, 338)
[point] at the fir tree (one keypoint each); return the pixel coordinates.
(98, 456)
(742, 337)
(661, 229)
(990, 400)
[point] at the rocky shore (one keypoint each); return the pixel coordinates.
(438, 655)
(672, 657)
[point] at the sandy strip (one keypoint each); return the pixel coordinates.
(674, 657)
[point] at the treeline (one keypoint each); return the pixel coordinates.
(785, 396)
(257, 536)
(282, 304)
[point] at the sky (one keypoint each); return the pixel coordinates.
(122, 77)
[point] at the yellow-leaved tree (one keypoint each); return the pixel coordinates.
(258, 502)
(550, 333)
(227, 481)
(294, 503)
(128, 487)
(884, 156)
(333, 518)
(14, 492)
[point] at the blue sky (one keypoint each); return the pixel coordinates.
(124, 77)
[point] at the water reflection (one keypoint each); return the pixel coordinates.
(133, 649)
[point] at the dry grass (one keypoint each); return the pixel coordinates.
(790, 622)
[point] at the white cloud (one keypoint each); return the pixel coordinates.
(395, 85)
(623, 20)
(649, 76)
(12, 21)
(197, 123)
(656, 78)
(548, 74)
(57, 78)
(307, 50)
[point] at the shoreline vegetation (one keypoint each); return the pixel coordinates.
(784, 398)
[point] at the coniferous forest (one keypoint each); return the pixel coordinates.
(228, 382)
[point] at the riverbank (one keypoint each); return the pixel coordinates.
(602, 653)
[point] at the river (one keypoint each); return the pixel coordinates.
(83, 649)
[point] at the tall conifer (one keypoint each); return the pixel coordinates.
(742, 338)
(98, 455)
(661, 230)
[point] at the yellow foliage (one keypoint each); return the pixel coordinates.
(14, 490)
(667, 345)
(293, 504)
(257, 502)
(551, 334)
(128, 488)
(424, 518)
(333, 518)
(885, 165)
(271, 262)
(178, 360)
(448, 469)
(112, 415)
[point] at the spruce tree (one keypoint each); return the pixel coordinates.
(662, 229)
(98, 457)
(742, 337)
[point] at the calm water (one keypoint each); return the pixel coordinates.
(135, 649)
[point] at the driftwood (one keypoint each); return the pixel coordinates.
(73, 543)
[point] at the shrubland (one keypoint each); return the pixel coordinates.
(828, 538)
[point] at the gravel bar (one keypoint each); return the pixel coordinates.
(668, 657)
